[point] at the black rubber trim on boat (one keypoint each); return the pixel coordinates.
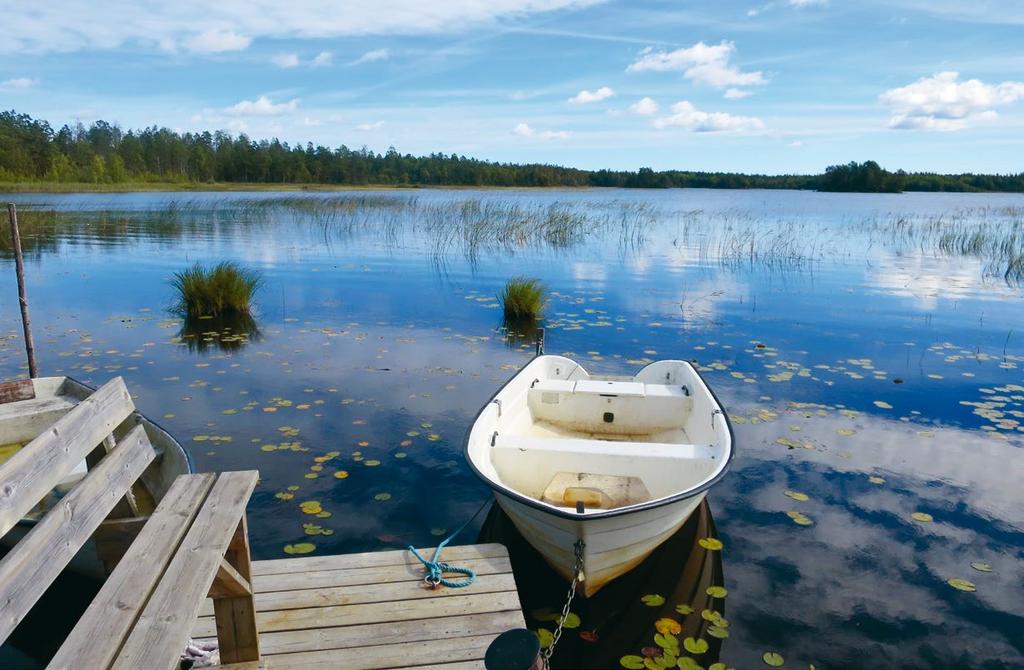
(632, 509)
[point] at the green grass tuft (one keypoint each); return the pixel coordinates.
(523, 298)
(222, 290)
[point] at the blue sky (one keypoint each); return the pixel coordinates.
(769, 86)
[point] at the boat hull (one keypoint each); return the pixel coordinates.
(613, 545)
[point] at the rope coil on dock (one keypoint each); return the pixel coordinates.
(435, 569)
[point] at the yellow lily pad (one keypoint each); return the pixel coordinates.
(796, 495)
(962, 585)
(299, 548)
(666, 625)
(717, 591)
(923, 517)
(710, 543)
(546, 637)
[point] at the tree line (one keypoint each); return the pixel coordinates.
(102, 153)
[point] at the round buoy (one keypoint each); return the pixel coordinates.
(516, 649)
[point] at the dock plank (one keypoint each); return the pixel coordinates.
(410, 654)
(373, 611)
(367, 593)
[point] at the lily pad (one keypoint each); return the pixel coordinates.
(631, 662)
(695, 645)
(981, 567)
(653, 600)
(923, 517)
(666, 625)
(962, 585)
(299, 548)
(796, 495)
(773, 659)
(684, 609)
(717, 591)
(571, 620)
(710, 543)
(547, 637)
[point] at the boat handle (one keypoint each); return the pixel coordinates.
(686, 390)
(497, 402)
(494, 438)
(713, 414)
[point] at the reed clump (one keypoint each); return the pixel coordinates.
(224, 289)
(523, 299)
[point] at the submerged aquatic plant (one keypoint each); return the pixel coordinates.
(222, 290)
(523, 298)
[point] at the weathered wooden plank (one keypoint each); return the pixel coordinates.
(29, 569)
(346, 637)
(19, 389)
(459, 665)
(228, 582)
(350, 615)
(262, 664)
(235, 616)
(353, 576)
(163, 627)
(43, 462)
(388, 656)
(375, 559)
(23, 421)
(368, 593)
(97, 638)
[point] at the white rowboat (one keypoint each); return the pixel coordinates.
(617, 463)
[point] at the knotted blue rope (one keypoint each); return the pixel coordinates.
(436, 569)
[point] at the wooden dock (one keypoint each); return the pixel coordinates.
(374, 611)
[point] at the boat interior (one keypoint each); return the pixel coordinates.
(604, 443)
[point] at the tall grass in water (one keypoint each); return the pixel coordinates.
(523, 299)
(222, 290)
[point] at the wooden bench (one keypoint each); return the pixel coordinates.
(194, 545)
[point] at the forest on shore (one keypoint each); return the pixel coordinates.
(103, 155)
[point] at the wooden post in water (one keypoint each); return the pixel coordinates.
(19, 265)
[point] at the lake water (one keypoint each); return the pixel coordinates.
(869, 349)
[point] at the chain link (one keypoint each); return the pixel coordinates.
(576, 574)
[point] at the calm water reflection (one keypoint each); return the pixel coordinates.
(871, 362)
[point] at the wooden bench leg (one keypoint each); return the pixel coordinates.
(233, 606)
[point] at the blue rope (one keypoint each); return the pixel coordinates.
(436, 569)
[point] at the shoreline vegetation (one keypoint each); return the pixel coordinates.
(105, 158)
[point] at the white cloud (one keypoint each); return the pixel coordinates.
(704, 63)
(799, 4)
(685, 115)
(286, 60)
(322, 59)
(206, 26)
(524, 130)
(307, 121)
(737, 93)
(262, 106)
(216, 41)
(376, 125)
(644, 106)
(943, 102)
(585, 97)
(18, 84)
(373, 56)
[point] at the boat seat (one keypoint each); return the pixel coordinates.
(622, 389)
(562, 445)
(566, 489)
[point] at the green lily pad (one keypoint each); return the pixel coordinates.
(571, 620)
(684, 609)
(653, 600)
(773, 659)
(631, 662)
(717, 591)
(695, 646)
(981, 567)
(547, 637)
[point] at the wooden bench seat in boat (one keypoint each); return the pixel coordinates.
(195, 544)
(613, 448)
(620, 407)
(567, 489)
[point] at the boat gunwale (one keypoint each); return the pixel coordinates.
(189, 463)
(604, 514)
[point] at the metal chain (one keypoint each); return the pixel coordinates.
(577, 573)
